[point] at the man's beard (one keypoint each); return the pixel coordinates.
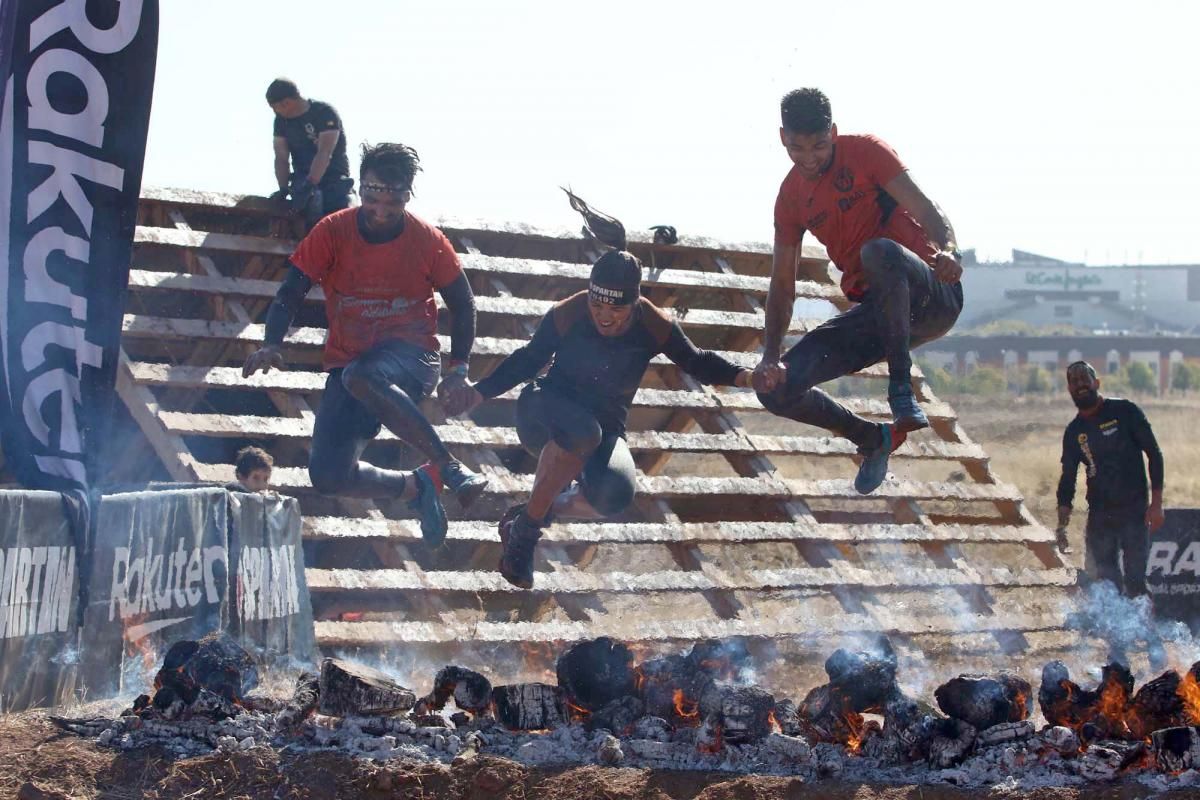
(1087, 400)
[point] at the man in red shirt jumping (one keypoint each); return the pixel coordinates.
(379, 266)
(899, 262)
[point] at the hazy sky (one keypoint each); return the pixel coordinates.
(1065, 128)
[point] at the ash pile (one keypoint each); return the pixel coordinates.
(687, 711)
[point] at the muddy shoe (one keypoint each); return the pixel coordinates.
(873, 469)
(907, 415)
(1061, 540)
(520, 535)
(429, 508)
(466, 485)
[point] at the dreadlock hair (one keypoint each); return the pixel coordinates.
(806, 111)
(396, 164)
(1076, 365)
(281, 89)
(252, 458)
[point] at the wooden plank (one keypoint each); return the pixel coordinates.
(220, 425)
(517, 267)
(141, 326)
(376, 634)
(503, 482)
(523, 308)
(345, 528)
(261, 205)
(299, 381)
(577, 582)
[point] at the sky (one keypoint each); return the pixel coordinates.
(1064, 128)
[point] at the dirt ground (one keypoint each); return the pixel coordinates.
(37, 762)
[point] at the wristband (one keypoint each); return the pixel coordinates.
(455, 368)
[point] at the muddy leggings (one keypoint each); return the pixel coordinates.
(608, 478)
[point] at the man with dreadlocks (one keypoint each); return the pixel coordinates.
(379, 266)
(899, 263)
(1109, 437)
(573, 418)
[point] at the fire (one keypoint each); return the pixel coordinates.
(774, 723)
(856, 730)
(639, 679)
(1189, 692)
(577, 713)
(1113, 706)
(717, 743)
(686, 709)
(1020, 705)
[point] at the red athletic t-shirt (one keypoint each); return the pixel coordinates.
(376, 292)
(847, 207)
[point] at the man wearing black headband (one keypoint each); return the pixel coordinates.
(899, 263)
(573, 418)
(378, 266)
(1109, 437)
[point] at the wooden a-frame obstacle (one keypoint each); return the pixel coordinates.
(745, 525)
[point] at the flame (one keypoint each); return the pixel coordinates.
(1189, 692)
(856, 729)
(774, 723)
(577, 713)
(1019, 705)
(717, 743)
(639, 679)
(1114, 707)
(686, 709)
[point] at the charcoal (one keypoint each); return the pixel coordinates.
(1157, 705)
(717, 658)
(908, 728)
(951, 743)
(1062, 739)
(305, 698)
(867, 678)
(529, 706)
(348, 689)
(1005, 732)
(470, 690)
(787, 717)
(1061, 700)
(826, 715)
(216, 663)
(984, 701)
(610, 751)
(594, 673)
(1104, 761)
(670, 683)
(431, 721)
(654, 728)
(743, 712)
(1176, 749)
(617, 716)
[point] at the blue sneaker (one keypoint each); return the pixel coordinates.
(429, 507)
(873, 469)
(907, 415)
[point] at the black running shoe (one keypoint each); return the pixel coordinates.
(519, 535)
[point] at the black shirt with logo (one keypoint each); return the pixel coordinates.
(1110, 444)
(301, 133)
(603, 373)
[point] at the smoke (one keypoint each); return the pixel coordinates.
(1127, 624)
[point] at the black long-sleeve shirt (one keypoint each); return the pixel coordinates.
(1110, 444)
(602, 373)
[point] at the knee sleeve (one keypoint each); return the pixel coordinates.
(609, 494)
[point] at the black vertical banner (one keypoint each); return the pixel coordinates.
(76, 106)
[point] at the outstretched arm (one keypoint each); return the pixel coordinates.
(781, 299)
(288, 297)
(703, 365)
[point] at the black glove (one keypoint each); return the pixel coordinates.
(301, 195)
(278, 196)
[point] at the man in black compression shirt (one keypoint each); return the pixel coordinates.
(309, 134)
(1108, 436)
(573, 418)
(379, 266)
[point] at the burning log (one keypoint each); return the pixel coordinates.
(529, 706)
(471, 691)
(908, 728)
(617, 716)
(951, 743)
(827, 715)
(984, 701)
(304, 702)
(1103, 761)
(1176, 749)
(787, 718)
(354, 689)
(215, 663)
(867, 678)
(655, 729)
(672, 686)
(596, 672)
(1112, 710)
(1006, 732)
(1158, 704)
(742, 713)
